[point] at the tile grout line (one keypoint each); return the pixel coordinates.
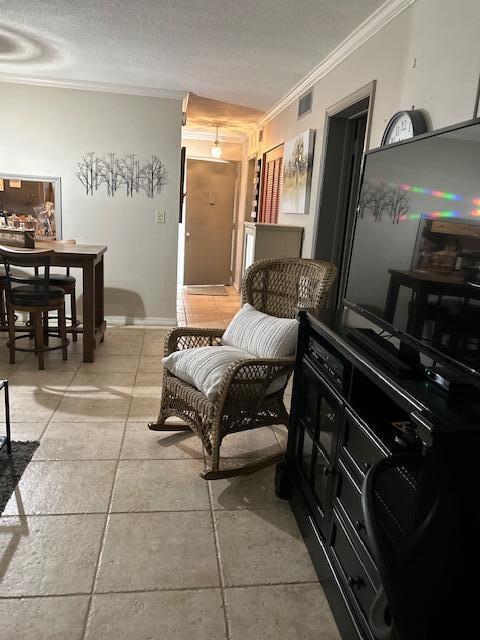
(143, 511)
(56, 408)
(107, 515)
(257, 585)
(219, 563)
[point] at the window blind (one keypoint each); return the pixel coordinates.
(272, 185)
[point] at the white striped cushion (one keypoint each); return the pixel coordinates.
(260, 334)
(204, 367)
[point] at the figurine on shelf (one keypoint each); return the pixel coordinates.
(46, 220)
(50, 211)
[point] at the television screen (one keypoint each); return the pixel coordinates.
(415, 260)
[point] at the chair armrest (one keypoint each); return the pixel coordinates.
(190, 337)
(245, 383)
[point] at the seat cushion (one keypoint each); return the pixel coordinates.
(57, 279)
(61, 278)
(29, 295)
(205, 367)
(260, 334)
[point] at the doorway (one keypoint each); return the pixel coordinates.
(347, 131)
(209, 217)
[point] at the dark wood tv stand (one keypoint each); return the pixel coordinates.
(343, 407)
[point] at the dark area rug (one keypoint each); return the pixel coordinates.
(12, 467)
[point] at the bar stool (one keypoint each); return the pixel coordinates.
(68, 283)
(37, 299)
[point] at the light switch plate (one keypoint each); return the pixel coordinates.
(159, 216)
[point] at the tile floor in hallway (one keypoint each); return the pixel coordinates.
(111, 534)
(206, 311)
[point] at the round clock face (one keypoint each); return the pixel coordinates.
(405, 125)
(400, 129)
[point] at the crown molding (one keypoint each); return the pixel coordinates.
(149, 92)
(209, 136)
(376, 21)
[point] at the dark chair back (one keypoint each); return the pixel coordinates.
(414, 527)
(28, 258)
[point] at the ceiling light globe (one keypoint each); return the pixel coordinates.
(216, 150)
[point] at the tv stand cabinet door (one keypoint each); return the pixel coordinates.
(319, 415)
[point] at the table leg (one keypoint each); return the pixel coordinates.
(392, 297)
(417, 316)
(89, 312)
(99, 297)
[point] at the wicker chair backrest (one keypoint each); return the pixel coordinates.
(279, 286)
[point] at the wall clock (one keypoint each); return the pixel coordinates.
(404, 125)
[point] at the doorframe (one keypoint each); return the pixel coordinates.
(240, 252)
(235, 220)
(349, 102)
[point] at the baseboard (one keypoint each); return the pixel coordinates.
(126, 320)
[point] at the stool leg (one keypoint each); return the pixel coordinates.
(62, 326)
(3, 315)
(45, 328)
(11, 333)
(73, 311)
(39, 339)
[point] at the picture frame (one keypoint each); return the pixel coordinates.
(297, 173)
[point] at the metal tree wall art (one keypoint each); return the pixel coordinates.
(153, 176)
(116, 172)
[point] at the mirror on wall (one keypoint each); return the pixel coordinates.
(31, 203)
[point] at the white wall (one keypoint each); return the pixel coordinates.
(441, 35)
(44, 131)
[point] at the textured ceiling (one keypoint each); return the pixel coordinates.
(248, 52)
(204, 114)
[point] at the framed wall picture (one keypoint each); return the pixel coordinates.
(297, 173)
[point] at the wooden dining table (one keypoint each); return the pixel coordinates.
(90, 259)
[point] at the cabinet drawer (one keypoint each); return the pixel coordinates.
(358, 445)
(358, 585)
(350, 497)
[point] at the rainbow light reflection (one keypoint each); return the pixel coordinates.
(440, 214)
(446, 195)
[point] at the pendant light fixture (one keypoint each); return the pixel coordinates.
(216, 149)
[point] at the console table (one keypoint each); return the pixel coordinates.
(344, 405)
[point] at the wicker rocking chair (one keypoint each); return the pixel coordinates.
(277, 287)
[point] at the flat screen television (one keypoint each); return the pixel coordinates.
(414, 266)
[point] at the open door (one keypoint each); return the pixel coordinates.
(209, 214)
(347, 130)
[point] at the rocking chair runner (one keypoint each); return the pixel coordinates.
(277, 287)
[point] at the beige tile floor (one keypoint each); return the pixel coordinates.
(206, 311)
(112, 535)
